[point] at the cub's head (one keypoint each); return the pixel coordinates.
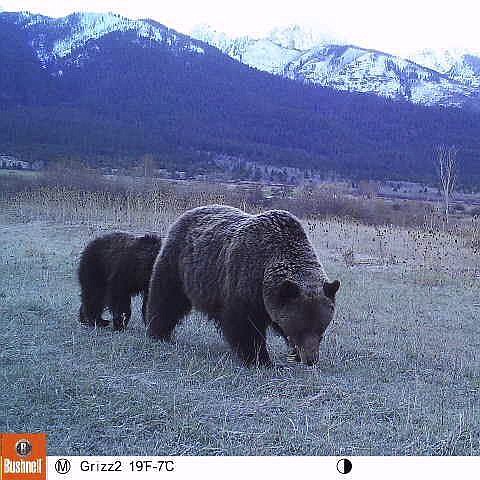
(302, 313)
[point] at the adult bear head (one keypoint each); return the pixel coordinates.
(303, 313)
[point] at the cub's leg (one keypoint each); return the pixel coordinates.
(93, 303)
(120, 306)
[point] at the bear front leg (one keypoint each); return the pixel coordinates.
(90, 312)
(247, 339)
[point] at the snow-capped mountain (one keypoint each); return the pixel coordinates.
(263, 54)
(467, 70)
(301, 38)
(351, 68)
(271, 54)
(440, 60)
(426, 78)
(458, 64)
(448, 78)
(54, 39)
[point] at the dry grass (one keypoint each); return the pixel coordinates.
(399, 370)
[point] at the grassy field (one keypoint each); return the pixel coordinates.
(399, 369)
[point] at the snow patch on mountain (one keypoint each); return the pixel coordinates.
(297, 53)
(352, 68)
(440, 60)
(467, 70)
(461, 65)
(296, 37)
(87, 26)
(206, 33)
(262, 54)
(57, 38)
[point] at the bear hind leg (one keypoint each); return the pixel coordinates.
(120, 307)
(166, 304)
(169, 310)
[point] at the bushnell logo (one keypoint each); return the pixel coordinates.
(23, 456)
(23, 447)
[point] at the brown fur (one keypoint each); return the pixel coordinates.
(247, 272)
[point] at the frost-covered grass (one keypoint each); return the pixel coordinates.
(399, 369)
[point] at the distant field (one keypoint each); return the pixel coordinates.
(19, 173)
(399, 369)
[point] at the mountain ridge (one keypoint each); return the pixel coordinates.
(450, 79)
(76, 29)
(366, 70)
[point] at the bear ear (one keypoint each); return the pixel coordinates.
(288, 290)
(330, 289)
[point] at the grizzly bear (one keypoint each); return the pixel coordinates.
(246, 272)
(112, 269)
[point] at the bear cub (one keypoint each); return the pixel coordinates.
(113, 268)
(247, 273)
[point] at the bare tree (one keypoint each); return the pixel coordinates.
(447, 169)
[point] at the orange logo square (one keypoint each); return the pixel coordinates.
(23, 456)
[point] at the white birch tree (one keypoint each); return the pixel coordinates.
(447, 169)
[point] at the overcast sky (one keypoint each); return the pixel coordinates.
(396, 26)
